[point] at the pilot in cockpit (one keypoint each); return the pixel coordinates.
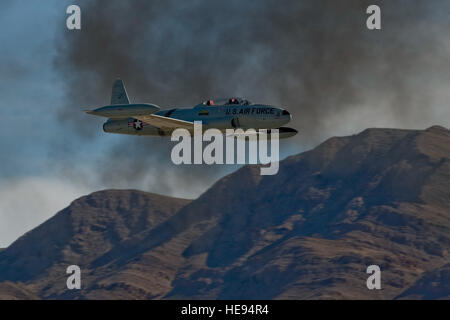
(233, 101)
(210, 102)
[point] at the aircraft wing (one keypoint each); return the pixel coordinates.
(165, 122)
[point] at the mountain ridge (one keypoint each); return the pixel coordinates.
(309, 232)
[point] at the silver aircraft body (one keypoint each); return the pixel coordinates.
(145, 119)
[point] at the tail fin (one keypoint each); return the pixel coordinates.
(119, 94)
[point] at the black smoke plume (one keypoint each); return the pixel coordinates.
(316, 58)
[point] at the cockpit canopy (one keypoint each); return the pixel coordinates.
(226, 102)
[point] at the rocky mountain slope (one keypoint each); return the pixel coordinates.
(16, 291)
(89, 228)
(380, 197)
(432, 285)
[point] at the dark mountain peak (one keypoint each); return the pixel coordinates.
(438, 129)
(89, 227)
(383, 139)
(370, 143)
(396, 161)
(375, 134)
(125, 199)
(379, 197)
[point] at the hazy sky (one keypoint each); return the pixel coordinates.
(316, 58)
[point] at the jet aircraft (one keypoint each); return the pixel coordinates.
(144, 119)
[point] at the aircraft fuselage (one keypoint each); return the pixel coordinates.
(219, 117)
(146, 119)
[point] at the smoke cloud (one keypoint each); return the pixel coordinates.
(315, 58)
